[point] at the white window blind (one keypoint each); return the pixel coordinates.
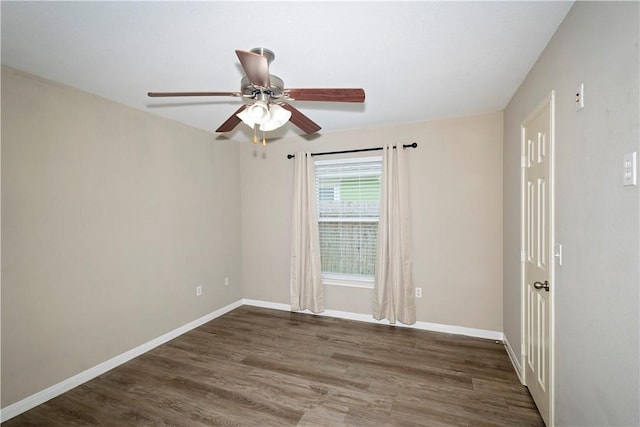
(348, 192)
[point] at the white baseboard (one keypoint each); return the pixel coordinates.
(266, 304)
(426, 326)
(76, 380)
(514, 359)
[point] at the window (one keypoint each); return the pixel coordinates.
(348, 193)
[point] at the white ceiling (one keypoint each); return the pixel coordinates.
(416, 60)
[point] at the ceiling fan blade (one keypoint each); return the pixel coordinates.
(232, 121)
(332, 95)
(162, 94)
(300, 120)
(256, 67)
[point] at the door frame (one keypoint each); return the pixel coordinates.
(549, 100)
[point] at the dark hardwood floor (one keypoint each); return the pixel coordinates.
(255, 366)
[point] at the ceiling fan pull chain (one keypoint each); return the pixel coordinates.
(255, 134)
(264, 140)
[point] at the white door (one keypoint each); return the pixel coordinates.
(537, 144)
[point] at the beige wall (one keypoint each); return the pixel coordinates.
(597, 289)
(456, 216)
(110, 218)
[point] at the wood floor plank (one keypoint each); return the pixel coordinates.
(262, 367)
(200, 386)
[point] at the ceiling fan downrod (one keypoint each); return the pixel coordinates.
(264, 52)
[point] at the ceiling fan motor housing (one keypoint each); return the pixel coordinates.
(276, 90)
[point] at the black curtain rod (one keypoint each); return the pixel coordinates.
(413, 145)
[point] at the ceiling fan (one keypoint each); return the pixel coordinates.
(267, 107)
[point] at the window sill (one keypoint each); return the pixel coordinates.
(349, 283)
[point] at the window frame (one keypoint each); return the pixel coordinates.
(348, 280)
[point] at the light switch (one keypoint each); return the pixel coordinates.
(557, 252)
(629, 169)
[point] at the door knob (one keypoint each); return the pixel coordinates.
(540, 285)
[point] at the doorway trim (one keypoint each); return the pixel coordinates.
(549, 101)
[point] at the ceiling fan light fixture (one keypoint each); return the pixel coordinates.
(246, 119)
(256, 114)
(269, 117)
(279, 117)
(259, 112)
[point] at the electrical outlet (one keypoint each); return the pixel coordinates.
(418, 292)
(226, 281)
(580, 97)
(198, 290)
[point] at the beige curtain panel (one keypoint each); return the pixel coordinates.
(306, 277)
(394, 297)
